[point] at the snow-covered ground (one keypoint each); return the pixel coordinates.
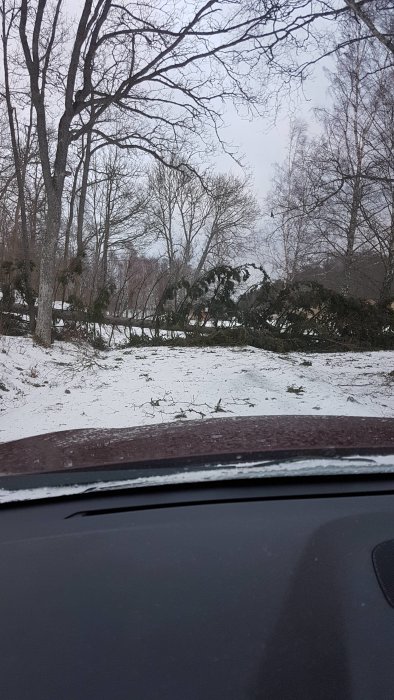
(70, 386)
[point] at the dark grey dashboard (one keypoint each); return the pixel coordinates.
(233, 591)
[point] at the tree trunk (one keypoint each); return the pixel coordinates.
(386, 291)
(347, 271)
(104, 275)
(81, 208)
(107, 229)
(43, 333)
(204, 254)
(351, 236)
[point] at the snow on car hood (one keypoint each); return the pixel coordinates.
(349, 465)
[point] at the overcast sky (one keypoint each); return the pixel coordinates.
(263, 144)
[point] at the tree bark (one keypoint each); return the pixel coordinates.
(351, 236)
(107, 228)
(53, 177)
(43, 332)
(386, 292)
(358, 10)
(120, 321)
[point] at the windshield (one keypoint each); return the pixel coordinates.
(196, 224)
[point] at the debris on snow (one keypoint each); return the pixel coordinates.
(78, 387)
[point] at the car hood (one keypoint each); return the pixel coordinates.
(198, 442)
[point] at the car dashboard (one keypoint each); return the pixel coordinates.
(275, 588)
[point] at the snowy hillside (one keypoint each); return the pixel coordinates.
(72, 387)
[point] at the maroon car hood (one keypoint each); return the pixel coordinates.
(195, 441)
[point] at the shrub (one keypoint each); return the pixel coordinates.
(12, 324)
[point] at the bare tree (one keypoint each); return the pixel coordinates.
(320, 197)
(289, 231)
(117, 202)
(378, 209)
(229, 229)
(154, 84)
(140, 76)
(20, 156)
(160, 75)
(373, 14)
(163, 215)
(344, 149)
(203, 220)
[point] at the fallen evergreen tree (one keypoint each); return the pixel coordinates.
(216, 309)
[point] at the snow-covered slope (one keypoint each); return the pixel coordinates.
(70, 386)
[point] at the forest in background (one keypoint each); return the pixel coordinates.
(111, 209)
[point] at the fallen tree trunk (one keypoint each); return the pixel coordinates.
(84, 317)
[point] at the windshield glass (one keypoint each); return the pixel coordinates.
(196, 223)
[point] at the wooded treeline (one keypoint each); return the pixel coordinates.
(107, 121)
(142, 232)
(332, 200)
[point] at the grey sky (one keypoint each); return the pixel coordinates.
(263, 144)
